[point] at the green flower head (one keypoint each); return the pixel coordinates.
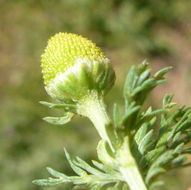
(73, 65)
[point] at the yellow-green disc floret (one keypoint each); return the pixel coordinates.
(63, 50)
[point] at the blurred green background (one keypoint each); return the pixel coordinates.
(128, 31)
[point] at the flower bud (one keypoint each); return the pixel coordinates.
(74, 66)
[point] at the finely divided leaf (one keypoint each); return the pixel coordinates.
(60, 120)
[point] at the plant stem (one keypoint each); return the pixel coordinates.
(93, 107)
(128, 167)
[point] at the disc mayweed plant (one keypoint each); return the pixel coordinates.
(77, 75)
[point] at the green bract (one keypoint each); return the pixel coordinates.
(72, 66)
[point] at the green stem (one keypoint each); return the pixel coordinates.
(128, 167)
(93, 107)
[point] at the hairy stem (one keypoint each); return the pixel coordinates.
(93, 107)
(128, 167)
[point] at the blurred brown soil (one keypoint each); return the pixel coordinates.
(179, 79)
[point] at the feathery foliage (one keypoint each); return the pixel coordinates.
(135, 138)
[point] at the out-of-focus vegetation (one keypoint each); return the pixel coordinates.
(127, 30)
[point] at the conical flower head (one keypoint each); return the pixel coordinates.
(73, 64)
(63, 50)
